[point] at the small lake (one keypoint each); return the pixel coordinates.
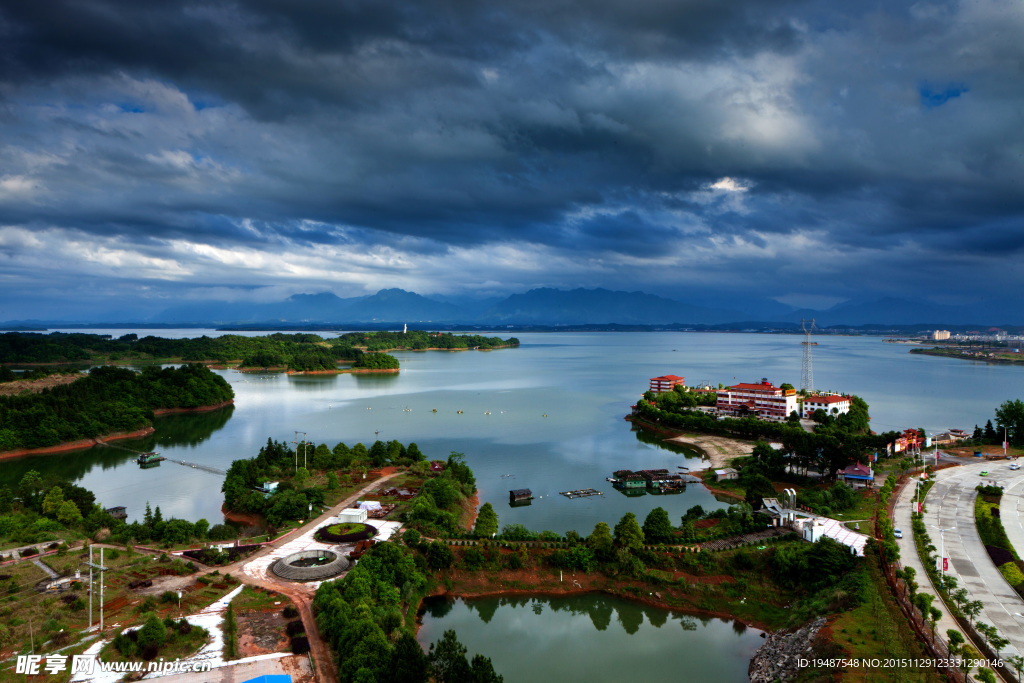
(593, 637)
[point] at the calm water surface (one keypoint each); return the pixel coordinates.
(593, 638)
(555, 416)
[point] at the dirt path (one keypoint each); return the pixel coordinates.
(301, 594)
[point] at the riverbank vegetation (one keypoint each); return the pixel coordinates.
(836, 442)
(105, 401)
(300, 352)
(366, 618)
(315, 475)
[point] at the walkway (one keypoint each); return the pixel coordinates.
(950, 503)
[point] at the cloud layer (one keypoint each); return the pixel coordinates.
(159, 150)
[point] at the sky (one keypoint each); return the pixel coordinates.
(161, 152)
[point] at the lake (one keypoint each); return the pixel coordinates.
(546, 416)
(592, 637)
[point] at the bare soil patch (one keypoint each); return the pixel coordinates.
(36, 385)
(260, 633)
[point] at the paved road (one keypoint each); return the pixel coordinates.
(909, 558)
(950, 503)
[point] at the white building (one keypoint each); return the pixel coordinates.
(832, 405)
(940, 335)
(759, 400)
(352, 515)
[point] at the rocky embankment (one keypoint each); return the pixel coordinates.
(778, 659)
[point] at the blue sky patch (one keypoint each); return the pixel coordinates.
(936, 97)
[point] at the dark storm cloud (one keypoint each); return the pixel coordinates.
(559, 143)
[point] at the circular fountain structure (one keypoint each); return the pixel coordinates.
(310, 565)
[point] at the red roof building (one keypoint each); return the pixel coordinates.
(762, 400)
(660, 385)
(832, 405)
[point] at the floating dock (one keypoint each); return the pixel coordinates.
(581, 493)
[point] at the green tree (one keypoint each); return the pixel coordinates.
(202, 527)
(657, 527)
(758, 488)
(448, 659)
(600, 541)
(52, 502)
(956, 639)
(1011, 416)
(990, 433)
(972, 608)
(153, 632)
(486, 521)
(30, 485)
(68, 514)
(628, 533)
(409, 663)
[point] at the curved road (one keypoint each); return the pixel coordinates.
(950, 503)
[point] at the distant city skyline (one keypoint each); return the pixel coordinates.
(153, 156)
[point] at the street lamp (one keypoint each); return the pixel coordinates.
(942, 552)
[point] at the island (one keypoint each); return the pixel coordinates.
(105, 403)
(300, 352)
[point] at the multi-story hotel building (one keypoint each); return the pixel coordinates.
(832, 405)
(660, 385)
(761, 400)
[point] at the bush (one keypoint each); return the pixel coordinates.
(1011, 572)
(168, 596)
(294, 628)
(300, 645)
(290, 612)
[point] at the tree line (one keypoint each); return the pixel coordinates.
(39, 507)
(106, 400)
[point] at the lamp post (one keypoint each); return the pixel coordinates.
(942, 552)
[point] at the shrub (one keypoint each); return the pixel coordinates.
(294, 628)
(168, 596)
(290, 612)
(300, 645)
(1011, 572)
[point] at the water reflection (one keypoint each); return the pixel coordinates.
(543, 638)
(178, 429)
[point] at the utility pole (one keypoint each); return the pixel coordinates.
(101, 569)
(305, 450)
(90, 586)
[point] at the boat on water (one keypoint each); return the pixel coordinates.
(149, 459)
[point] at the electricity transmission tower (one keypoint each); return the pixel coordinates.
(807, 371)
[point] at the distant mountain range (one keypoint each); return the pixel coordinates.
(555, 307)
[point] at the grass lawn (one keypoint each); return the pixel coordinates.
(253, 599)
(876, 629)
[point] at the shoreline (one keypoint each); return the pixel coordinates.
(717, 450)
(76, 445)
(441, 591)
(941, 353)
(80, 444)
(200, 409)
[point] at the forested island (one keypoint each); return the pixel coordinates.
(107, 400)
(297, 352)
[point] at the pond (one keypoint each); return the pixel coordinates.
(592, 637)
